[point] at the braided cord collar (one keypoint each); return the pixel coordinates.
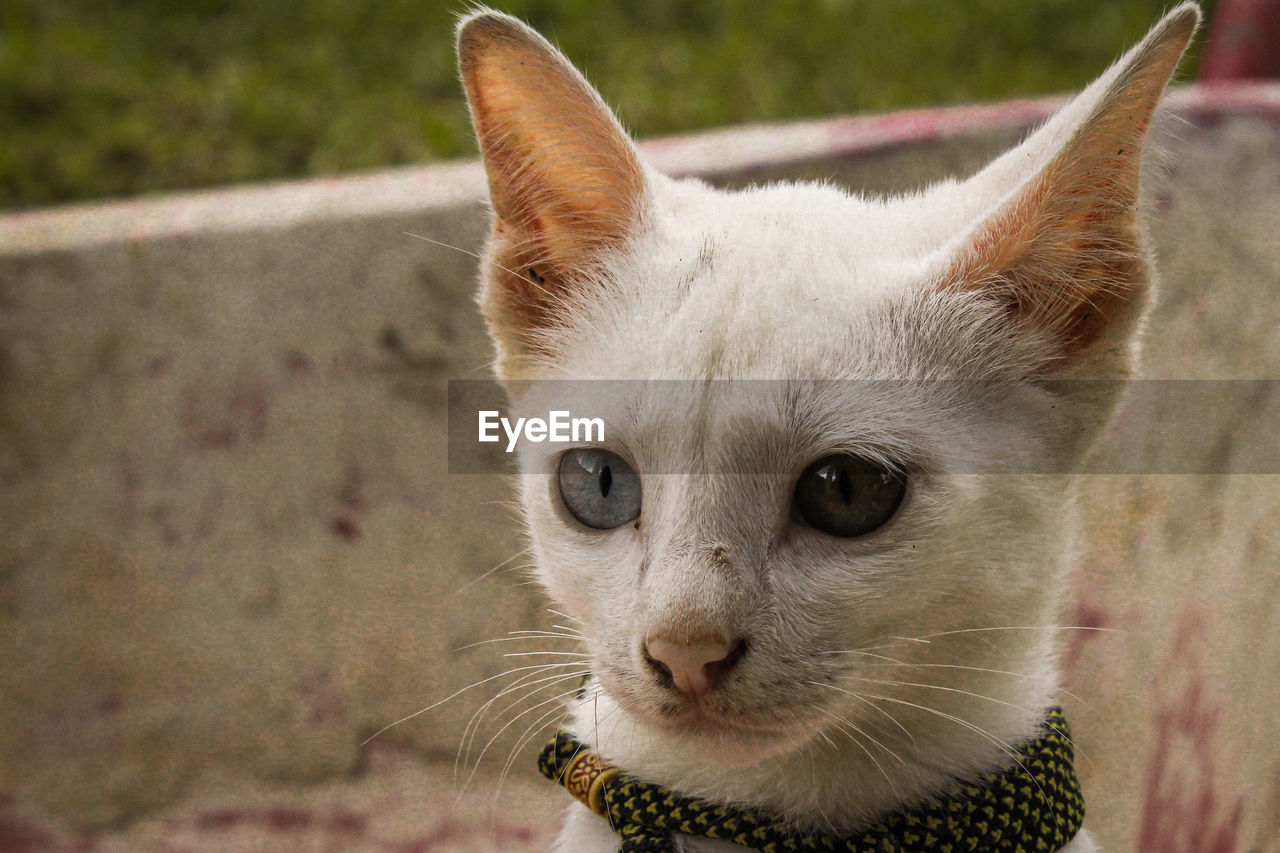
(1032, 806)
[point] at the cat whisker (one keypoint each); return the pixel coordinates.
(840, 725)
(490, 261)
(594, 699)
(533, 708)
(488, 573)
(942, 687)
(871, 704)
(900, 642)
(928, 638)
(463, 757)
(528, 685)
(1023, 628)
(555, 612)
(530, 680)
(1010, 673)
(613, 718)
(532, 730)
(506, 768)
(976, 729)
(890, 682)
(454, 695)
(527, 736)
(517, 637)
(865, 734)
(1007, 749)
(533, 680)
(561, 632)
(477, 370)
(870, 655)
(927, 665)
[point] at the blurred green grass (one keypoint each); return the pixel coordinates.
(102, 99)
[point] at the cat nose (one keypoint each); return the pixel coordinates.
(693, 668)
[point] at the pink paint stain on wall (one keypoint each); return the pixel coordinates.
(22, 835)
(213, 421)
(322, 698)
(339, 828)
(249, 406)
(1087, 621)
(351, 503)
(297, 364)
(130, 487)
(1190, 805)
(86, 724)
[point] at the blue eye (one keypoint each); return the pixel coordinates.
(848, 496)
(599, 488)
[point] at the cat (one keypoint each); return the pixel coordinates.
(862, 629)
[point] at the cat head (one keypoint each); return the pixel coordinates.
(908, 361)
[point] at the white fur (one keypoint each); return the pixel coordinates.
(944, 615)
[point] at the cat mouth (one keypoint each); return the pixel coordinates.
(698, 720)
(714, 717)
(705, 729)
(725, 738)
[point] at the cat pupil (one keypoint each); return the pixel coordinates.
(844, 485)
(606, 480)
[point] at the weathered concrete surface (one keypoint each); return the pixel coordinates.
(231, 551)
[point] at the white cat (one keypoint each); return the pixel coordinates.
(855, 629)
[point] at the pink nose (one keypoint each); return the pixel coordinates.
(694, 668)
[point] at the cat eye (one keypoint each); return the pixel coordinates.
(599, 488)
(848, 496)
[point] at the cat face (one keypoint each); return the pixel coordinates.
(829, 493)
(788, 540)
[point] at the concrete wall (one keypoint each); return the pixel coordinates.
(231, 550)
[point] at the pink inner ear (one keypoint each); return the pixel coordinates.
(1067, 261)
(564, 179)
(1065, 255)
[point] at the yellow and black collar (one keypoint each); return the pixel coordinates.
(1032, 806)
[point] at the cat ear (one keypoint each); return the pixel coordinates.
(564, 179)
(1063, 254)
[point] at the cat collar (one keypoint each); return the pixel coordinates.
(1032, 806)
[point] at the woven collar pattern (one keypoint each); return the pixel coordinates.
(1032, 806)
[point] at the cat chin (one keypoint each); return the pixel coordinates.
(727, 740)
(731, 750)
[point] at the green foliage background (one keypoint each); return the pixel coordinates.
(104, 98)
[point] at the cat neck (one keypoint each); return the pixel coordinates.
(841, 779)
